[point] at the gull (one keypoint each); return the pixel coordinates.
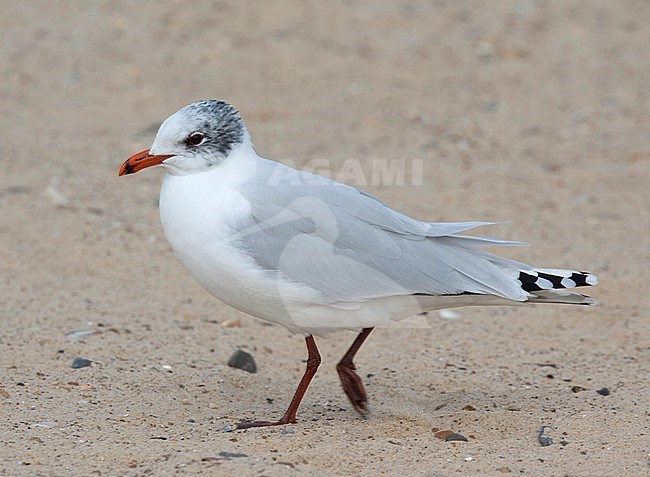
(315, 255)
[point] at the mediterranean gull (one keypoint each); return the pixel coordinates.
(315, 255)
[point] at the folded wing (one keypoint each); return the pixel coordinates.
(350, 247)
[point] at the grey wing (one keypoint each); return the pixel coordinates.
(351, 247)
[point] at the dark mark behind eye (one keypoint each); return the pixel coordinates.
(222, 125)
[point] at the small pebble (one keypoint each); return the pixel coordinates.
(47, 424)
(17, 189)
(240, 359)
(231, 454)
(545, 441)
(80, 362)
(542, 439)
(577, 389)
(453, 437)
(213, 405)
(469, 407)
(603, 391)
(231, 324)
(449, 436)
(227, 428)
(80, 333)
(286, 431)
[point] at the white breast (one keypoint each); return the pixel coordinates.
(200, 214)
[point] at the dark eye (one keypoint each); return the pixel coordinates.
(195, 139)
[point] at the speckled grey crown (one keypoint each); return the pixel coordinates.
(220, 123)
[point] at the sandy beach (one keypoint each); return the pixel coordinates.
(533, 112)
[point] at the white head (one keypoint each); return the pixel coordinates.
(194, 139)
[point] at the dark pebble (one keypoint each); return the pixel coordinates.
(603, 391)
(240, 359)
(456, 437)
(545, 441)
(231, 454)
(80, 362)
(577, 389)
(17, 189)
(542, 439)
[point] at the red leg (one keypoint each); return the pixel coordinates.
(350, 380)
(313, 361)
